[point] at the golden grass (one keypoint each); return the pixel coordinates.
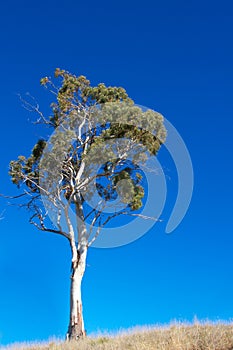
(177, 336)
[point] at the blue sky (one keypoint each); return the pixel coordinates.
(175, 57)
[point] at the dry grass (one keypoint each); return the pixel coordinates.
(179, 336)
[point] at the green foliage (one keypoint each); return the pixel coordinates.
(38, 149)
(118, 119)
(25, 170)
(74, 90)
(44, 81)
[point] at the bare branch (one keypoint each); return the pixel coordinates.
(69, 224)
(93, 210)
(42, 226)
(96, 217)
(95, 236)
(145, 217)
(34, 107)
(1, 215)
(26, 178)
(56, 89)
(13, 197)
(80, 130)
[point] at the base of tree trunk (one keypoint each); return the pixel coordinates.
(75, 333)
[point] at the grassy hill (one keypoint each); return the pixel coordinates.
(197, 336)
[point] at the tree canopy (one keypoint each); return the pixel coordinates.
(99, 138)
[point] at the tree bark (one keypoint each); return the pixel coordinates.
(76, 328)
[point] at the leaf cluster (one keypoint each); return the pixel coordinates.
(26, 170)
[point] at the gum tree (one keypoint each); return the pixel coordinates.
(90, 162)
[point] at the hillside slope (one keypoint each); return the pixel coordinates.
(198, 336)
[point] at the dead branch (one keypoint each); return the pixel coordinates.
(42, 226)
(145, 217)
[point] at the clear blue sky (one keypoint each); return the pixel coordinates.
(175, 57)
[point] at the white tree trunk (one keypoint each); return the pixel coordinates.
(76, 328)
